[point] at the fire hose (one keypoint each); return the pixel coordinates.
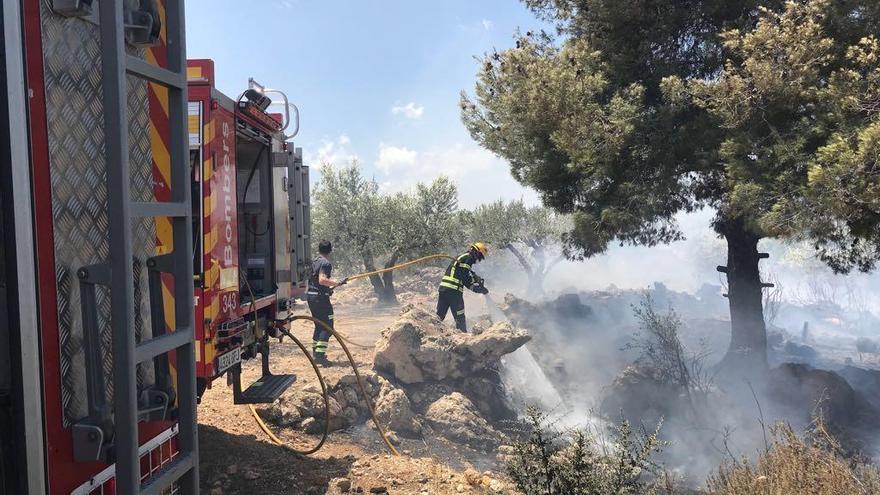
(342, 341)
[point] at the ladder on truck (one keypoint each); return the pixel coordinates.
(181, 473)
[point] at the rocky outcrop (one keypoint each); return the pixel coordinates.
(455, 417)
(304, 408)
(418, 348)
(562, 311)
(430, 376)
(394, 410)
(639, 395)
(813, 391)
(865, 382)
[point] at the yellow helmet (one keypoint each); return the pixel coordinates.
(481, 248)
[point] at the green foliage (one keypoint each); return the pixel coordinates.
(366, 226)
(549, 463)
(533, 235)
(643, 109)
(345, 211)
(799, 111)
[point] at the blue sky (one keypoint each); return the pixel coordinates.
(378, 81)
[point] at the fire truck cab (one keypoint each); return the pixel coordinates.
(154, 234)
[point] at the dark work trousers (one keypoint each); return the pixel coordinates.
(454, 300)
(322, 309)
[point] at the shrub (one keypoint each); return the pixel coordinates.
(661, 350)
(551, 463)
(794, 464)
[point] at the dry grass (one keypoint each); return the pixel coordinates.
(795, 465)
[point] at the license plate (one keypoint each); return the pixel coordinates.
(226, 360)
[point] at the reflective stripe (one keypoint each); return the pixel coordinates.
(449, 280)
(321, 346)
(330, 317)
(460, 312)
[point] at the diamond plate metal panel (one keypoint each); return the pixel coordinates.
(143, 229)
(72, 68)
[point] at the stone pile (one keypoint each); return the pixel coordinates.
(427, 376)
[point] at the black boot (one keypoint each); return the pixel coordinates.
(321, 360)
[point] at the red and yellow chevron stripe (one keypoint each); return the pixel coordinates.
(159, 140)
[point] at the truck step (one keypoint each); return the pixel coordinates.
(265, 390)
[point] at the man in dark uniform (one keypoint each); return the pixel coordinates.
(459, 275)
(320, 288)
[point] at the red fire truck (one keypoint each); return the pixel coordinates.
(154, 233)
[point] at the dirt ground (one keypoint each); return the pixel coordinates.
(236, 457)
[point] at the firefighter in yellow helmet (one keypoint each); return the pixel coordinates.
(459, 275)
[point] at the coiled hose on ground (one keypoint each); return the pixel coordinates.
(342, 341)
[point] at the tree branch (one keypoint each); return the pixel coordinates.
(553, 263)
(521, 258)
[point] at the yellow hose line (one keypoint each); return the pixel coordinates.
(342, 341)
(402, 265)
(324, 394)
(340, 336)
(357, 374)
(384, 270)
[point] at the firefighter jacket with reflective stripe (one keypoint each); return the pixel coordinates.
(458, 274)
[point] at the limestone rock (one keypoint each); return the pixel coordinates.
(394, 410)
(305, 407)
(343, 484)
(456, 418)
(418, 348)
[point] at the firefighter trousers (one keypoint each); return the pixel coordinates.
(322, 309)
(451, 299)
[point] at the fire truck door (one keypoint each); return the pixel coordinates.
(281, 164)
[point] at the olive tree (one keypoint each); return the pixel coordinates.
(532, 235)
(371, 230)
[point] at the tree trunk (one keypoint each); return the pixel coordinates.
(536, 284)
(747, 355)
(388, 281)
(540, 276)
(378, 282)
(527, 267)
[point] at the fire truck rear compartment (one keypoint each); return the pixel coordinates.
(256, 248)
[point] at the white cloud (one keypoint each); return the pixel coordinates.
(286, 4)
(392, 158)
(410, 110)
(332, 151)
(481, 176)
(487, 24)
